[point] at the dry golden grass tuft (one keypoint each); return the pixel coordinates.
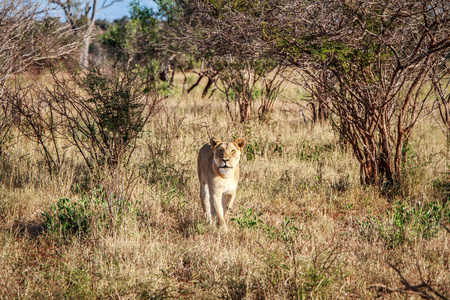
(302, 226)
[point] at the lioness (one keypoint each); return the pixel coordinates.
(218, 172)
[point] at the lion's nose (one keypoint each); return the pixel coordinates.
(225, 159)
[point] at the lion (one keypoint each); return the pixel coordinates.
(218, 173)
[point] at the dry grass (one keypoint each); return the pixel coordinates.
(304, 227)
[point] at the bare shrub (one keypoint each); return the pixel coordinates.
(318, 99)
(160, 169)
(423, 289)
(103, 111)
(30, 38)
(271, 88)
(243, 81)
(36, 121)
(117, 193)
(375, 75)
(440, 76)
(7, 120)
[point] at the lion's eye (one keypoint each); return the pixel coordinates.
(220, 151)
(233, 151)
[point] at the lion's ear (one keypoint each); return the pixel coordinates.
(214, 141)
(240, 142)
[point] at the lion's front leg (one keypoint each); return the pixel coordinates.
(204, 196)
(216, 202)
(227, 201)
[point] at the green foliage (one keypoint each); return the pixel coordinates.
(145, 15)
(97, 210)
(251, 219)
(115, 37)
(252, 149)
(420, 221)
(256, 93)
(68, 217)
(260, 148)
(345, 56)
(231, 94)
(287, 232)
(238, 5)
(119, 113)
(136, 38)
(308, 152)
(105, 112)
(168, 10)
(166, 89)
(248, 219)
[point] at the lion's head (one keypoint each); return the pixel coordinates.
(227, 154)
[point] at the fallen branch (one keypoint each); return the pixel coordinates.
(418, 289)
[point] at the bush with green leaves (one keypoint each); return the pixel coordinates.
(68, 217)
(251, 219)
(103, 111)
(99, 209)
(248, 218)
(418, 221)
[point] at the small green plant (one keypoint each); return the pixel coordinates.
(287, 232)
(261, 148)
(69, 217)
(308, 152)
(200, 228)
(252, 149)
(277, 148)
(420, 221)
(78, 217)
(313, 280)
(251, 219)
(248, 218)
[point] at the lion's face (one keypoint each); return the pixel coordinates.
(227, 154)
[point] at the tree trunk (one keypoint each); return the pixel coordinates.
(244, 109)
(84, 55)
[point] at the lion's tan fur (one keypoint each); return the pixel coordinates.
(218, 173)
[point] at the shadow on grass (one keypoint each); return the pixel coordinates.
(31, 229)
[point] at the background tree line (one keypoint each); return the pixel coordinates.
(374, 69)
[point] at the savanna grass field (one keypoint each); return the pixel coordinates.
(302, 226)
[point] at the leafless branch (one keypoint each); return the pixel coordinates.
(30, 37)
(422, 289)
(445, 227)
